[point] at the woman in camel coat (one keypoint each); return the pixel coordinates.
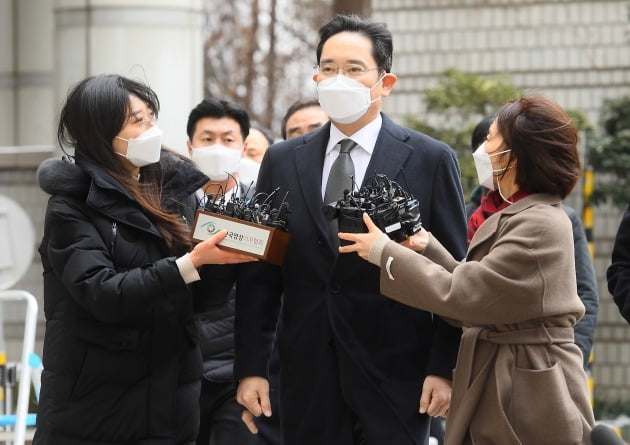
(519, 377)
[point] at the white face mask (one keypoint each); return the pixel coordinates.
(217, 161)
(248, 171)
(483, 165)
(145, 149)
(343, 99)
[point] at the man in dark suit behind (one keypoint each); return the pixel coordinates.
(356, 368)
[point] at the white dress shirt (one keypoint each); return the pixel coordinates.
(365, 138)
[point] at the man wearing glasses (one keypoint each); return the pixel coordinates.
(356, 368)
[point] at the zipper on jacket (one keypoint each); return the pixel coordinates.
(113, 244)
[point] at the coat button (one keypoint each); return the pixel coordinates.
(335, 288)
(320, 242)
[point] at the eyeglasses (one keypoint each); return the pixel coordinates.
(351, 70)
(147, 121)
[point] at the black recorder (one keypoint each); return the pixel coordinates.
(393, 210)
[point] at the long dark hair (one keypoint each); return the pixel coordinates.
(94, 113)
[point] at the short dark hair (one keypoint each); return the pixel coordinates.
(480, 132)
(217, 109)
(294, 108)
(543, 140)
(382, 46)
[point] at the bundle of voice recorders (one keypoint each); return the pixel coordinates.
(256, 228)
(253, 226)
(393, 210)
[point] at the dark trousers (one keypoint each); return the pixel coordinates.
(334, 403)
(269, 431)
(220, 417)
(375, 423)
(437, 429)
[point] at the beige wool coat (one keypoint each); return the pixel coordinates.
(519, 377)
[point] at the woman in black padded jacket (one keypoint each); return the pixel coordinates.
(121, 359)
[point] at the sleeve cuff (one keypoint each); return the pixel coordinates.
(376, 251)
(187, 269)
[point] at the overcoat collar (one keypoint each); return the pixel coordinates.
(490, 225)
(390, 152)
(389, 157)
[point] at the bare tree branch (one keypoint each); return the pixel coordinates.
(259, 53)
(271, 63)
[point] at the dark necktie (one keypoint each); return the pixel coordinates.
(341, 178)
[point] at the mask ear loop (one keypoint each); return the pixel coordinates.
(380, 79)
(124, 155)
(501, 176)
(501, 193)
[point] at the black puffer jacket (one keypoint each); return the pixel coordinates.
(215, 320)
(216, 334)
(121, 359)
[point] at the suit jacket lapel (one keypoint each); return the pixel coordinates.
(309, 159)
(388, 158)
(390, 152)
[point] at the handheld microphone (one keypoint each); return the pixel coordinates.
(604, 435)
